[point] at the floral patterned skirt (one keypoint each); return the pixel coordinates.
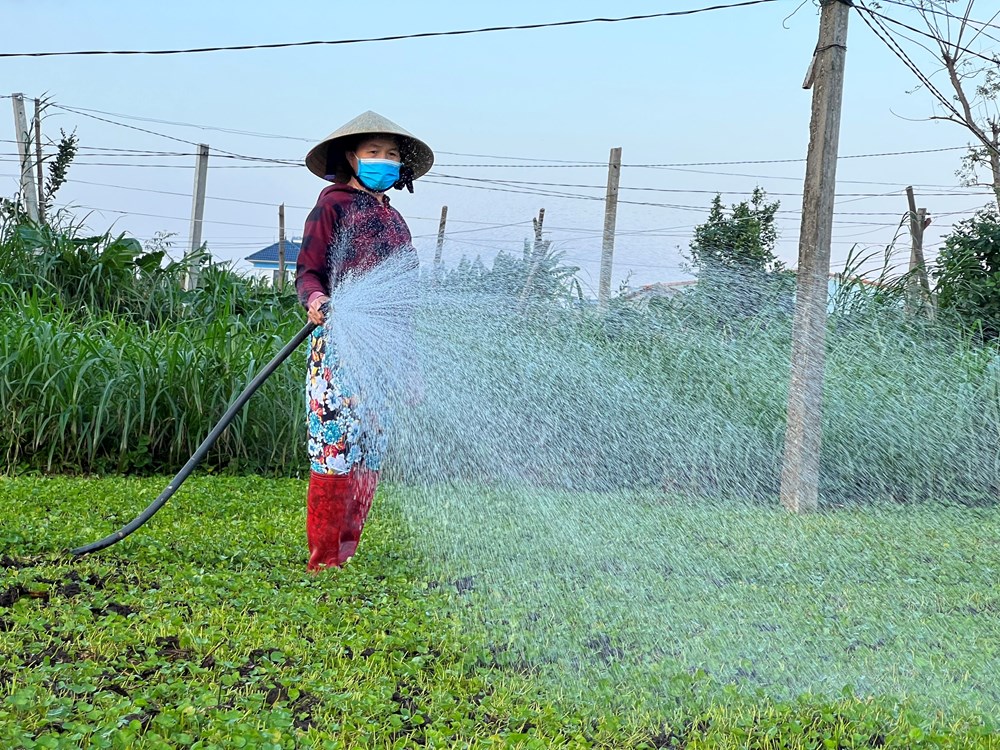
(343, 432)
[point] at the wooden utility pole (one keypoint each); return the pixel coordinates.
(610, 216)
(536, 224)
(197, 215)
(29, 194)
(538, 250)
(281, 247)
(438, 251)
(38, 160)
(918, 222)
(803, 435)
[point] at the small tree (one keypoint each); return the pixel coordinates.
(742, 240)
(967, 274)
(733, 253)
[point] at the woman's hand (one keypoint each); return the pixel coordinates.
(315, 312)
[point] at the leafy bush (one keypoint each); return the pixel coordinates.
(109, 366)
(968, 274)
(741, 240)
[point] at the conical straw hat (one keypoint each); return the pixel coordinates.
(413, 152)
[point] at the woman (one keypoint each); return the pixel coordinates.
(351, 229)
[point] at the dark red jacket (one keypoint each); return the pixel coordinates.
(348, 230)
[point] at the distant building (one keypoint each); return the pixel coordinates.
(659, 290)
(266, 260)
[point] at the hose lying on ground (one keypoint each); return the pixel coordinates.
(203, 449)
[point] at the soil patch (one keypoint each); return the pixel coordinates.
(170, 647)
(54, 653)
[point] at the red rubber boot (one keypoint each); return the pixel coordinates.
(363, 484)
(326, 507)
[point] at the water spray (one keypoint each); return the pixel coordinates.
(203, 449)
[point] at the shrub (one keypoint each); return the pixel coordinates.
(968, 274)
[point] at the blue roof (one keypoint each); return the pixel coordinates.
(270, 254)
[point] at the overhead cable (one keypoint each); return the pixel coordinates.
(392, 38)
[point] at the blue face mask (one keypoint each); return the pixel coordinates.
(378, 175)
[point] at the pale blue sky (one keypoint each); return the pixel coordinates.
(719, 86)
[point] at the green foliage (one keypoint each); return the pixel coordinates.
(967, 273)
(911, 411)
(105, 395)
(739, 239)
(539, 275)
(59, 167)
(733, 253)
(110, 366)
(94, 275)
(204, 630)
(859, 296)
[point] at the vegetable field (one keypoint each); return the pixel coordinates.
(204, 630)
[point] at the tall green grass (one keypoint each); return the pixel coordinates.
(109, 365)
(911, 408)
(104, 395)
(689, 395)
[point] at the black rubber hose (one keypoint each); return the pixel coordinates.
(203, 449)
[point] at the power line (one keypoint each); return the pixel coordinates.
(517, 184)
(945, 13)
(939, 40)
(934, 11)
(553, 163)
(173, 166)
(897, 50)
(799, 179)
(527, 158)
(172, 138)
(469, 231)
(81, 163)
(133, 189)
(393, 38)
(125, 152)
(896, 184)
(696, 163)
(175, 123)
(692, 191)
(573, 196)
(160, 216)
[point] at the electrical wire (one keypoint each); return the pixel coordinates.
(674, 206)
(160, 216)
(939, 40)
(691, 191)
(173, 166)
(553, 162)
(944, 13)
(695, 163)
(172, 138)
(175, 123)
(393, 38)
(983, 25)
(901, 54)
(678, 206)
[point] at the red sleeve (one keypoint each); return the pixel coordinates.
(311, 272)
